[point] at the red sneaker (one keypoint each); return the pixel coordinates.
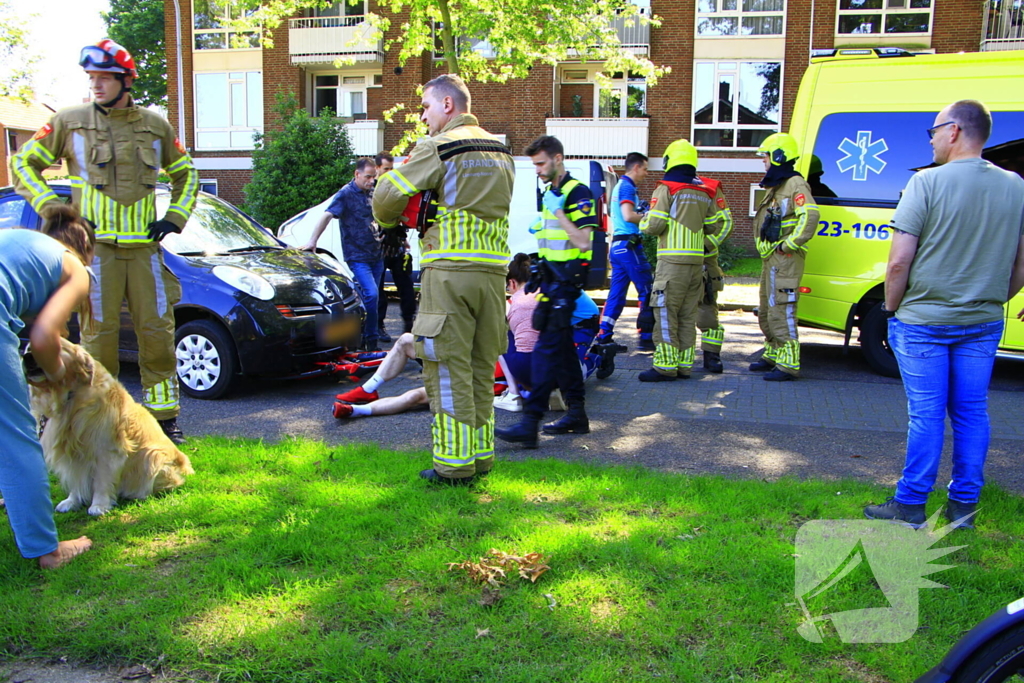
(357, 395)
(342, 410)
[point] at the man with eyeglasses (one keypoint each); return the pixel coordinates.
(360, 242)
(114, 150)
(957, 257)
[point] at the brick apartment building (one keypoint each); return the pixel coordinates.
(717, 49)
(19, 121)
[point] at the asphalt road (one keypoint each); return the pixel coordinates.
(839, 420)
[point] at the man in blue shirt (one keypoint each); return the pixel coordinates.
(360, 242)
(629, 263)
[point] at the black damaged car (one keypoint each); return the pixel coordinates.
(250, 305)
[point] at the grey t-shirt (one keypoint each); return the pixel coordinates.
(968, 216)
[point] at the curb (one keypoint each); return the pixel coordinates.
(722, 305)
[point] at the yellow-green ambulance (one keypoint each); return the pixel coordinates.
(860, 120)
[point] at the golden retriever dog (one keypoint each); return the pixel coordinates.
(100, 443)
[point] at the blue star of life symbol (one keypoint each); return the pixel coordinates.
(862, 155)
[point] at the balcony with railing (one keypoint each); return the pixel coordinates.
(322, 40)
(634, 34)
(1004, 26)
(599, 138)
(367, 137)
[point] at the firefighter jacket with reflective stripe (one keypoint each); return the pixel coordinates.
(791, 205)
(688, 219)
(552, 241)
(472, 173)
(113, 157)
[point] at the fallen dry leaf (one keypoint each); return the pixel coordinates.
(483, 633)
(491, 568)
(551, 601)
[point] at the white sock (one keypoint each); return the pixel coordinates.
(361, 411)
(373, 383)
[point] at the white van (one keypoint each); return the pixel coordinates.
(523, 213)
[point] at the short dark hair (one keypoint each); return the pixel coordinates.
(381, 157)
(634, 159)
(447, 85)
(362, 163)
(973, 118)
(548, 144)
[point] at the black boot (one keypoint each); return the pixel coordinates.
(172, 430)
(524, 432)
(406, 325)
(713, 362)
(574, 422)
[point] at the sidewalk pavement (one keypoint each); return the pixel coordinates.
(740, 294)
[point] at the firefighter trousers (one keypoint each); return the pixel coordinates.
(712, 332)
(138, 275)
(677, 293)
(460, 331)
(776, 313)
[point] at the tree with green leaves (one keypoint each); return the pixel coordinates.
(299, 166)
(16, 61)
(138, 25)
(488, 40)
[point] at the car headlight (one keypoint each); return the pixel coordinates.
(246, 281)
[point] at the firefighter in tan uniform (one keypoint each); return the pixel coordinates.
(712, 332)
(688, 214)
(786, 219)
(114, 150)
(466, 174)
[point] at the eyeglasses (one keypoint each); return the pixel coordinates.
(931, 131)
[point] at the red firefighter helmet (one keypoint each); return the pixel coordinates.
(421, 211)
(107, 56)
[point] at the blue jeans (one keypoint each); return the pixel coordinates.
(368, 276)
(629, 264)
(945, 369)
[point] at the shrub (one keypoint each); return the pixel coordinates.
(299, 166)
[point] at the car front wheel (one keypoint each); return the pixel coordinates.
(205, 357)
(874, 342)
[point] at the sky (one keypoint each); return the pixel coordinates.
(61, 28)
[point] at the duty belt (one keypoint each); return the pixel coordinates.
(635, 238)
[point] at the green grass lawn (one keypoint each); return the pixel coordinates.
(745, 267)
(302, 562)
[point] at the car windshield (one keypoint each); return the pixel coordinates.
(216, 227)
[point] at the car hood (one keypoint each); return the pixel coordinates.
(298, 276)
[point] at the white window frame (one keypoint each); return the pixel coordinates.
(619, 84)
(231, 79)
(885, 11)
(343, 90)
(739, 15)
(226, 32)
(209, 181)
(735, 125)
(755, 188)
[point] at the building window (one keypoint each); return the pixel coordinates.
(727, 18)
(12, 142)
(884, 17)
(344, 95)
(209, 18)
(209, 186)
(229, 109)
(626, 98)
(736, 104)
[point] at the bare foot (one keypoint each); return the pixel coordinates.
(65, 552)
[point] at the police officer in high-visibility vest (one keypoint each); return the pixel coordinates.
(564, 240)
(687, 214)
(114, 150)
(712, 332)
(785, 221)
(465, 174)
